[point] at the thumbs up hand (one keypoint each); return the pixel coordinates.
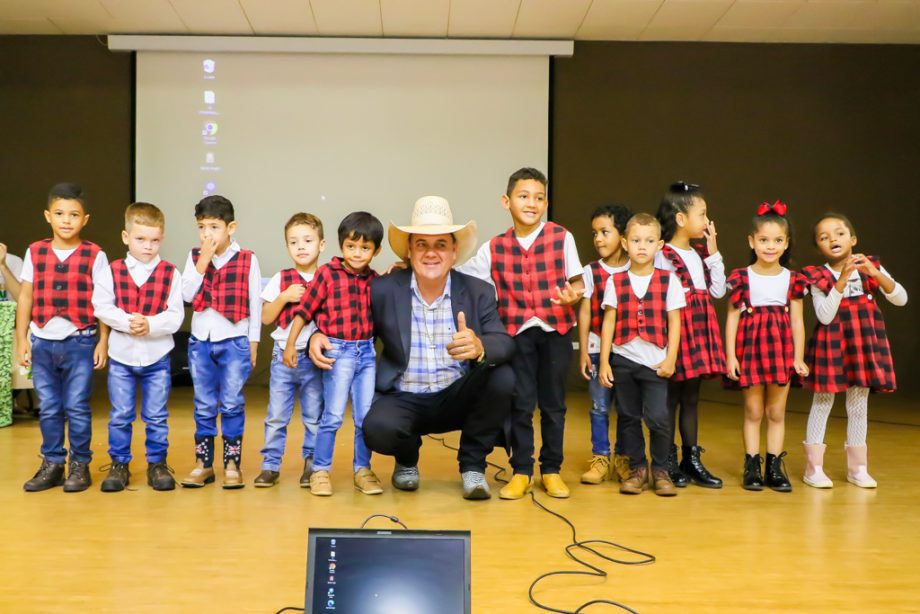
(465, 345)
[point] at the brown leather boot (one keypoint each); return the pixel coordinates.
(636, 482)
(664, 487)
(199, 476)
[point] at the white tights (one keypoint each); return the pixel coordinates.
(857, 416)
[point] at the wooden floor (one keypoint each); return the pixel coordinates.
(209, 550)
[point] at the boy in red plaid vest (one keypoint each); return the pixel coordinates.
(608, 223)
(222, 282)
(642, 330)
(338, 300)
(56, 333)
(140, 297)
(537, 276)
(303, 234)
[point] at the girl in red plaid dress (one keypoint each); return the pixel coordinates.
(849, 349)
(701, 272)
(765, 341)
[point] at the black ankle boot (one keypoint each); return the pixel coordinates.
(694, 469)
(753, 478)
(677, 476)
(118, 477)
(48, 476)
(775, 476)
(204, 450)
(78, 477)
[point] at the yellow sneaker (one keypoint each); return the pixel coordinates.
(619, 468)
(554, 486)
(598, 470)
(320, 484)
(519, 486)
(366, 481)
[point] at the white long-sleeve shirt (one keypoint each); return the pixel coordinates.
(695, 266)
(826, 305)
(123, 346)
(210, 324)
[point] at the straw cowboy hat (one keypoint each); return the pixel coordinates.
(431, 216)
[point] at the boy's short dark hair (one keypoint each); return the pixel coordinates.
(67, 191)
(361, 225)
(618, 214)
(523, 174)
(305, 219)
(214, 207)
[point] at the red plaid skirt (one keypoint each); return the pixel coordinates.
(764, 347)
(700, 353)
(852, 350)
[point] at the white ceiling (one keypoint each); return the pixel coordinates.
(809, 21)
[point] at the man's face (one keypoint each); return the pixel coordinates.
(432, 256)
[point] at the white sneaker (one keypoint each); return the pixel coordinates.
(818, 479)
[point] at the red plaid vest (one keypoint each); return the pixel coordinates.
(646, 317)
(822, 277)
(526, 280)
(63, 289)
(225, 290)
(680, 267)
(289, 277)
(151, 297)
(599, 274)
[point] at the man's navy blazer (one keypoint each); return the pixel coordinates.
(391, 302)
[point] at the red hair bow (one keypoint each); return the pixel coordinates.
(779, 208)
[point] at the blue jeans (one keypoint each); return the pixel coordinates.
(305, 383)
(601, 401)
(154, 381)
(62, 372)
(352, 374)
(219, 370)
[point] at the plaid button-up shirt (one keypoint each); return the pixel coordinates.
(430, 368)
(339, 302)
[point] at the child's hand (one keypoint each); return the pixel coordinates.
(3, 252)
(710, 233)
(140, 326)
(24, 353)
(864, 265)
(587, 369)
(100, 355)
(567, 295)
(293, 293)
(208, 249)
(605, 375)
(800, 367)
(399, 265)
(665, 368)
(732, 368)
(253, 351)
(290, 356)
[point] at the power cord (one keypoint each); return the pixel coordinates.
(576, 544)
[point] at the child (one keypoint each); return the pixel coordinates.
(303, 234)
(607, 226)
(765, 341)
(642, 330)
(338, 300)
(140, 298)
(222, 282)
(55, 306)
(849, 349)
(701, 272)
(537, 277)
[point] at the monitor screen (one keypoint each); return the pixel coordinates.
(388, 572)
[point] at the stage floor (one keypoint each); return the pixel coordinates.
(729, 550)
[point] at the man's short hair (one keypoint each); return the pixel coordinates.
(144, 214)
(214, 207)
(304, 219)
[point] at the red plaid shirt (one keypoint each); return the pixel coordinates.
(599, 274)
(289, 277)
(526, 280)
(646, 317)
(63, 289)
(150, 298)
(339, 302)
(225, 290)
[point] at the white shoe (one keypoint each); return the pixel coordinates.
(818, 479)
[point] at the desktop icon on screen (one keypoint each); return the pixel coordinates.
(209, 97)
(208, 65)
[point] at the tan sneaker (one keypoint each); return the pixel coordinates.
(320, 485)
(636, 482)
(199, 476)
(619, 468)
(366, 481)
(554, 486)
(233, 477)
(598, 470)
(664, 487)
(519, 486)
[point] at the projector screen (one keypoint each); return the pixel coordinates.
(330, 134)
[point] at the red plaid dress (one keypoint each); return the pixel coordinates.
(852, 350)
(763, 344)
(151, 297)
(63, 289)
(700, 353)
